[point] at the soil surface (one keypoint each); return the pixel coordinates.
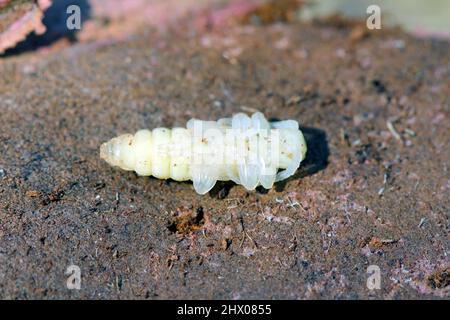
(373, 190)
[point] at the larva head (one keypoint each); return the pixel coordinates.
(292, 145)
(292, 149)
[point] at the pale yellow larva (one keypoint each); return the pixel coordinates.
(246, 150)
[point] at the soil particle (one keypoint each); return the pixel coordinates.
(440, 279)
(32, 193)
(188, 221)
(376, 243)
(273, 11)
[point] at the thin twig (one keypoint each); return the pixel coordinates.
(392, 130)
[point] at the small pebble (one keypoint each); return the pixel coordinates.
(282, 44)
(217, 103)
(340, 53)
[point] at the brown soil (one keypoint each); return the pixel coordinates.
(374, 188)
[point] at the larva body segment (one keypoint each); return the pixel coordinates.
(246, 150)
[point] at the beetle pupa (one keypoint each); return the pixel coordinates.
(247, 150)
